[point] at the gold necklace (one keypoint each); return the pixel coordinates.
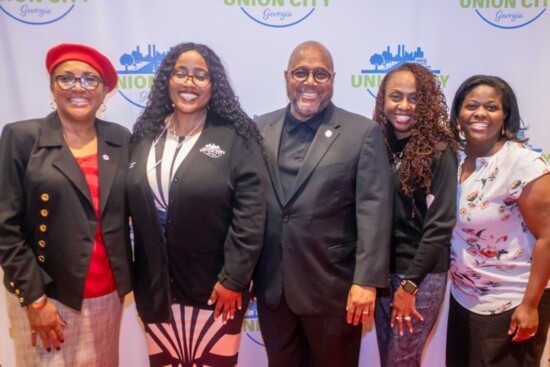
(172, 126)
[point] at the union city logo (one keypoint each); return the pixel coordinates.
(277, 13)
(251, 325)
(507, 14)
(38, 12)
(136, 79)
(385, 61)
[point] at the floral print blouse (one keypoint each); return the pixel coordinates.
(491, 246)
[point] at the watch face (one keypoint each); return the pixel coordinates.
(409, 286)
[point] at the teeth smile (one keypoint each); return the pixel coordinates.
(402, 118)
(480, 125)
(79, 100)
(310, 95)
(188, 96)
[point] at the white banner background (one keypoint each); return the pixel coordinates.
(254, 38)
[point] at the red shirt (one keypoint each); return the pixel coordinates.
(99, 280)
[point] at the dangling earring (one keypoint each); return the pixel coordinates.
(102, 107)
(53, 105)
(461, 135)
(502, 131)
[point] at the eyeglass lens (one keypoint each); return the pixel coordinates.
(66, 82)
(199, 79)
(319, 75)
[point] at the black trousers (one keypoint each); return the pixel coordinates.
(475, 340)
(308, 341)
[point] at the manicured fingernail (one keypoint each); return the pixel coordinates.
(58, 348)
(62, 340)
(401, 333)
(48, 350)
(209, 302)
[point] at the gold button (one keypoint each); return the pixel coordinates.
(45, 197)
(42, 243)
(43, 228)
(21, 299)
(12, 285)
(44, 213)
(17, 291)
(41, 258)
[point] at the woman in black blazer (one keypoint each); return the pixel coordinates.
(64, 236)
(196, 187)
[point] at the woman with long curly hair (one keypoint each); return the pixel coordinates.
(197, 199)
(411, 109)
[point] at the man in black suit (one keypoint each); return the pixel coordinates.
(326, 243)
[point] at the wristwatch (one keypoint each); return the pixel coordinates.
(409, 286)
(39, 303)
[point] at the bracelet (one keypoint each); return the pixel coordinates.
(40, 302)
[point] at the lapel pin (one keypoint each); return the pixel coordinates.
(106, 157)
(328, 133)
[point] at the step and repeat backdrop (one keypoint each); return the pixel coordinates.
(254, 38)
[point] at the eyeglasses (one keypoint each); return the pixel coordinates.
(201, 79)
(321, 76)
(67, 82)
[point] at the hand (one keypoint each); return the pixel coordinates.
(403, 308)
(46, 323)
(226, 301)
(360, 304)
(524, 323)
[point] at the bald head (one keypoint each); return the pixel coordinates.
(311, 95)
(310, 49)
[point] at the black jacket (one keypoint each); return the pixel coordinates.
(214, 224)
(47, 219)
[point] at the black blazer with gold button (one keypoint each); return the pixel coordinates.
(47, 219)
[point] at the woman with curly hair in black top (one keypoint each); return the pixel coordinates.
(411, 109)
(196, 188)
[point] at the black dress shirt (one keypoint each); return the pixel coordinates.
(296, 139)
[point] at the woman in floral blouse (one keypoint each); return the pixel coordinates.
(500, 251)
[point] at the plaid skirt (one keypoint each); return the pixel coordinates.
(91, 335)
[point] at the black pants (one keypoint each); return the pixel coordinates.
(475, 340)
(308, 341)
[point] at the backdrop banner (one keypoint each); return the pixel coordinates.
(454, 39)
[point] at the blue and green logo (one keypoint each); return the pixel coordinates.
(385, 61)
(277, 13)
(507, 14)
(251, 325)
(136, 78)
(38, 12)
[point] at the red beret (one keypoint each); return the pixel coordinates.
(67, 51)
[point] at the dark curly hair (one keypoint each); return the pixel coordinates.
(429, 131)
(513, 123)
(223, 101)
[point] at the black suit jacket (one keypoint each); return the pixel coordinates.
(47, 219)
(333, 230)
(214, 225)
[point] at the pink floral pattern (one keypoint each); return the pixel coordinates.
(491, 245)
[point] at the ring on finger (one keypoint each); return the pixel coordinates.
(407, 318)
(33, 332)
(398, 318)
(365, 312)
(532, 334)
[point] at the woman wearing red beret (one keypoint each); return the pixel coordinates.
(64, 242)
